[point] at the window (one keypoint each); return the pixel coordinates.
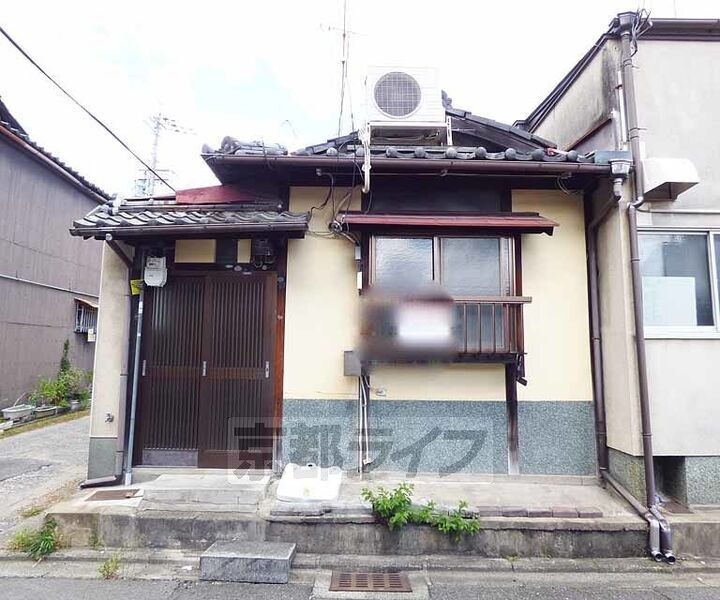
(679, 285)
(476, 272)
(466, 267)
(85, 317)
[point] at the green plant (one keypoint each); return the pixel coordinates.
(65, 358)
(21, 540)
(456, 523)
(70, 384)
(392, 506)
(110, 568)
(39, 543)
(395, 508)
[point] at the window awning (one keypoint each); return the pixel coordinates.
(86, 302)
(500, 222)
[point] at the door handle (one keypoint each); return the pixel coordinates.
(204, 368)
(267, 369)
(143, 367)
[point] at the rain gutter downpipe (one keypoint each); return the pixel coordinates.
(625, 27)
(135, 381)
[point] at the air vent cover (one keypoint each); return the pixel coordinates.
(397, 94)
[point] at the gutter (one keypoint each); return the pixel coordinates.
(550, 168)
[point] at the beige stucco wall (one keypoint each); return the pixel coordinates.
(588, 102)
(622, 408)
(556, 322)
(678, 91)
(203, 251)
(685, 402)
(111, 350)
(323, 303)
(681, 120)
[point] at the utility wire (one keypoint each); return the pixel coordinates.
(92, 116)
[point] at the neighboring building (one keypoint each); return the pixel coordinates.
(676, 91)
(48, 281)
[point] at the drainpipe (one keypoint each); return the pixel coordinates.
(136, 378)
(625, 25)
(620, 169)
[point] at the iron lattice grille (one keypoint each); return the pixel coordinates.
(343, 581)
(397, 94)
(85, 318)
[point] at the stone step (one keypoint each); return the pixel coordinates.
(247, 562)
(209, 490)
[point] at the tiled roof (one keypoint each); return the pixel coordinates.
(153, 217)
(491, 140)
(452, 153)
(9, 124)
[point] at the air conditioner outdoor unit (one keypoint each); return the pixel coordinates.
(404, 98)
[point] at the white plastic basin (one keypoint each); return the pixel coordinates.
(309, 484)
(17, 412)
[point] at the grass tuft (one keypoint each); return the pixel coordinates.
(37, 544)
(32, 511)
(110, 568)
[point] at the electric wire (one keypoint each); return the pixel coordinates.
(85, 110)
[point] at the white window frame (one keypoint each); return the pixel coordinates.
(699, 331)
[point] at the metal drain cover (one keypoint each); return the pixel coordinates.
(112, 495)
(345, 581)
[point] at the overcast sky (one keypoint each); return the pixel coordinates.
(271, 69)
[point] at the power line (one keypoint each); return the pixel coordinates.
(92, 116)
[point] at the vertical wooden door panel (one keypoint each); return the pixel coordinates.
(237, 391)
(170, 393)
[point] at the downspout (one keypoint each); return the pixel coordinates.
(136, 379)
(626, 23)
(595, 336)
(654, 525)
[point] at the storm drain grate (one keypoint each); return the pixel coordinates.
(343, 581)
(113, 495)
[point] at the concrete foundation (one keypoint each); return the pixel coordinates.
(556, 438)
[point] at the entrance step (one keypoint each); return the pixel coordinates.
(247, 562)
(212, 493)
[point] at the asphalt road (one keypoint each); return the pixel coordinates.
(36, 464)
(71, 589)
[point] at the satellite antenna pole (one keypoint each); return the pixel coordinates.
(343, 67)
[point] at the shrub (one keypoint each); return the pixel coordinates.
(395, 508)
(70, 384)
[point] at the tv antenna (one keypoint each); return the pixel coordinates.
(159, 123)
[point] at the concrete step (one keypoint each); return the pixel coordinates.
(207, 490)
(247, 562)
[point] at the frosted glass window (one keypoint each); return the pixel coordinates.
(675, 280)
(403, 260)
(473, 266)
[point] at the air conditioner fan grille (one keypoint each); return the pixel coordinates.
(397, 94)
